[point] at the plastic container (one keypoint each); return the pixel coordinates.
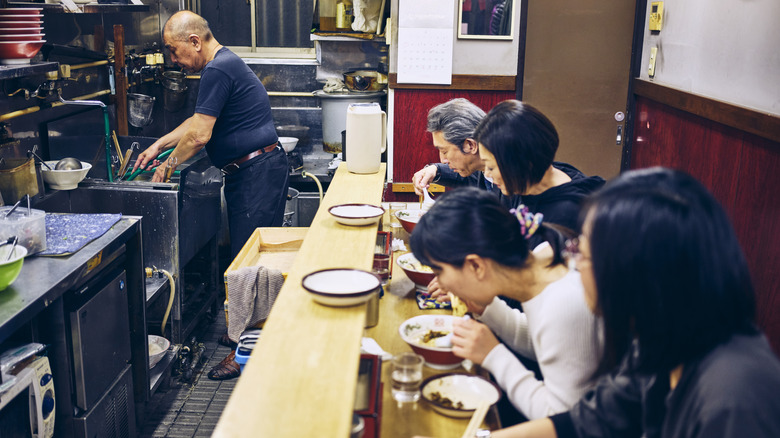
(30, 227)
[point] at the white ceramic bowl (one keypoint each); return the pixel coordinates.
(356, 214)
(341, 287)
(288, 143)
(414, 329)
(158, 346)
(458, 394)
(64, 179)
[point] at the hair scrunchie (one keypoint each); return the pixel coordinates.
(529, 222)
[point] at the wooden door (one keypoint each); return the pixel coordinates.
(576, 71)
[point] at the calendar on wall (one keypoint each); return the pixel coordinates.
(425, 40)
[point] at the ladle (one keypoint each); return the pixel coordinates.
(39, 159)
(428, 201)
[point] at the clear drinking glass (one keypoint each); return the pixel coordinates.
(406, 376)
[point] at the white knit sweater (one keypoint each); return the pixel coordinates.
(559, 331)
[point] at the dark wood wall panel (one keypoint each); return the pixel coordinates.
(757, 221)
(413, 145)
(709, 151)
(743, 172)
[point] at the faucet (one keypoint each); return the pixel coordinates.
(106, 126)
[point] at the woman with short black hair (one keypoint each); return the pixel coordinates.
(661, 264)
(478, 250)
(518, 143)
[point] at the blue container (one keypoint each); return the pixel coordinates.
(246, 343)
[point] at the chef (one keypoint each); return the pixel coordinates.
(233, 122)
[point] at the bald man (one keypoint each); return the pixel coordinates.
(233, 122)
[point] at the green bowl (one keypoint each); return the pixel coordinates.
(10, 269)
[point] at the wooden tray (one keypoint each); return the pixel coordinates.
(273, 247)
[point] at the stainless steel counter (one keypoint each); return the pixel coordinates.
(45, 279)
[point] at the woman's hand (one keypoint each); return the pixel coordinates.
(436, 292)
(472, 340)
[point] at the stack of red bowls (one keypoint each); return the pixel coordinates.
(21, 34)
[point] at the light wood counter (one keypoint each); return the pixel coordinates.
(301, 378)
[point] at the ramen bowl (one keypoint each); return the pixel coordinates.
(421, 333)
(420, 274)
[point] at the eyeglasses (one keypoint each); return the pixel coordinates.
(573, 254)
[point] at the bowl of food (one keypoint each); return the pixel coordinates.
(158, 346)
(64, 179)
(458, 394)
(341, 287)
(420, 274)
(429, 336)
(288, 143)
(409, 218)
(356, 214)
(10, 267)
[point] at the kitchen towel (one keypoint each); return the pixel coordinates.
(67, 233)
(251, 291)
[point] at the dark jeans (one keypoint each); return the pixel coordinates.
(256, 196)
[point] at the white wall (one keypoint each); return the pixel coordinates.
(727, 50)
(471, 57)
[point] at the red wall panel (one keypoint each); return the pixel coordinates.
(741, 170)
(413, 145)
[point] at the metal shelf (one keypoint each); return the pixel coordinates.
(16, 71)
(162, 370)
(89, 8)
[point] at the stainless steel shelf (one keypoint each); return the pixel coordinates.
(16, 71)
(89, 8)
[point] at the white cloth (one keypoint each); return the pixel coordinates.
(558, 330)
(251, 292)
(366, 15)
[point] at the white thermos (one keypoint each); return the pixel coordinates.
(366, 137)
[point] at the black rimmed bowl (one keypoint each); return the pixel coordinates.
(341, 287)
(458, 394)
(356, 214)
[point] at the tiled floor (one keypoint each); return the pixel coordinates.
(192, 410)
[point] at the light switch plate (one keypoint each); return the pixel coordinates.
(651, 66)
(656, 16)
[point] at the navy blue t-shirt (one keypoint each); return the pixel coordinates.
(232, 93)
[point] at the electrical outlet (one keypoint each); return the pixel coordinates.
(656, 16)
(651, 67)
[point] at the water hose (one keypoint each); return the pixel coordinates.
(149, 273)
(138, 171)
(304, 174)
(170, 299)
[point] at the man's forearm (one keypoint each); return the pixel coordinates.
(172, 139)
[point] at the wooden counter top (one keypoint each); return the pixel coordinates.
(301, 378)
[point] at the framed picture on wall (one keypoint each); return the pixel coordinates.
(486, 19)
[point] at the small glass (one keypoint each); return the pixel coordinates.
(382, 267)
(407, 376)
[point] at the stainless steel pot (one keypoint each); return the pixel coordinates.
(365, 80)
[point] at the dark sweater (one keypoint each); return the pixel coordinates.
(561, 204)
(733, 391)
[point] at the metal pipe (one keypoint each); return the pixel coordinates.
(87, 65)
(110, 172)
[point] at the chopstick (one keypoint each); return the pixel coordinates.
(421, 201)
(476, 419)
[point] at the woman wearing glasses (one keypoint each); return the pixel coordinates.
(490, 256)
(661, 264)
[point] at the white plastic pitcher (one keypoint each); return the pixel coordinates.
(366, 137)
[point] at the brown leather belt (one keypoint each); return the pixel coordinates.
(234, 165)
